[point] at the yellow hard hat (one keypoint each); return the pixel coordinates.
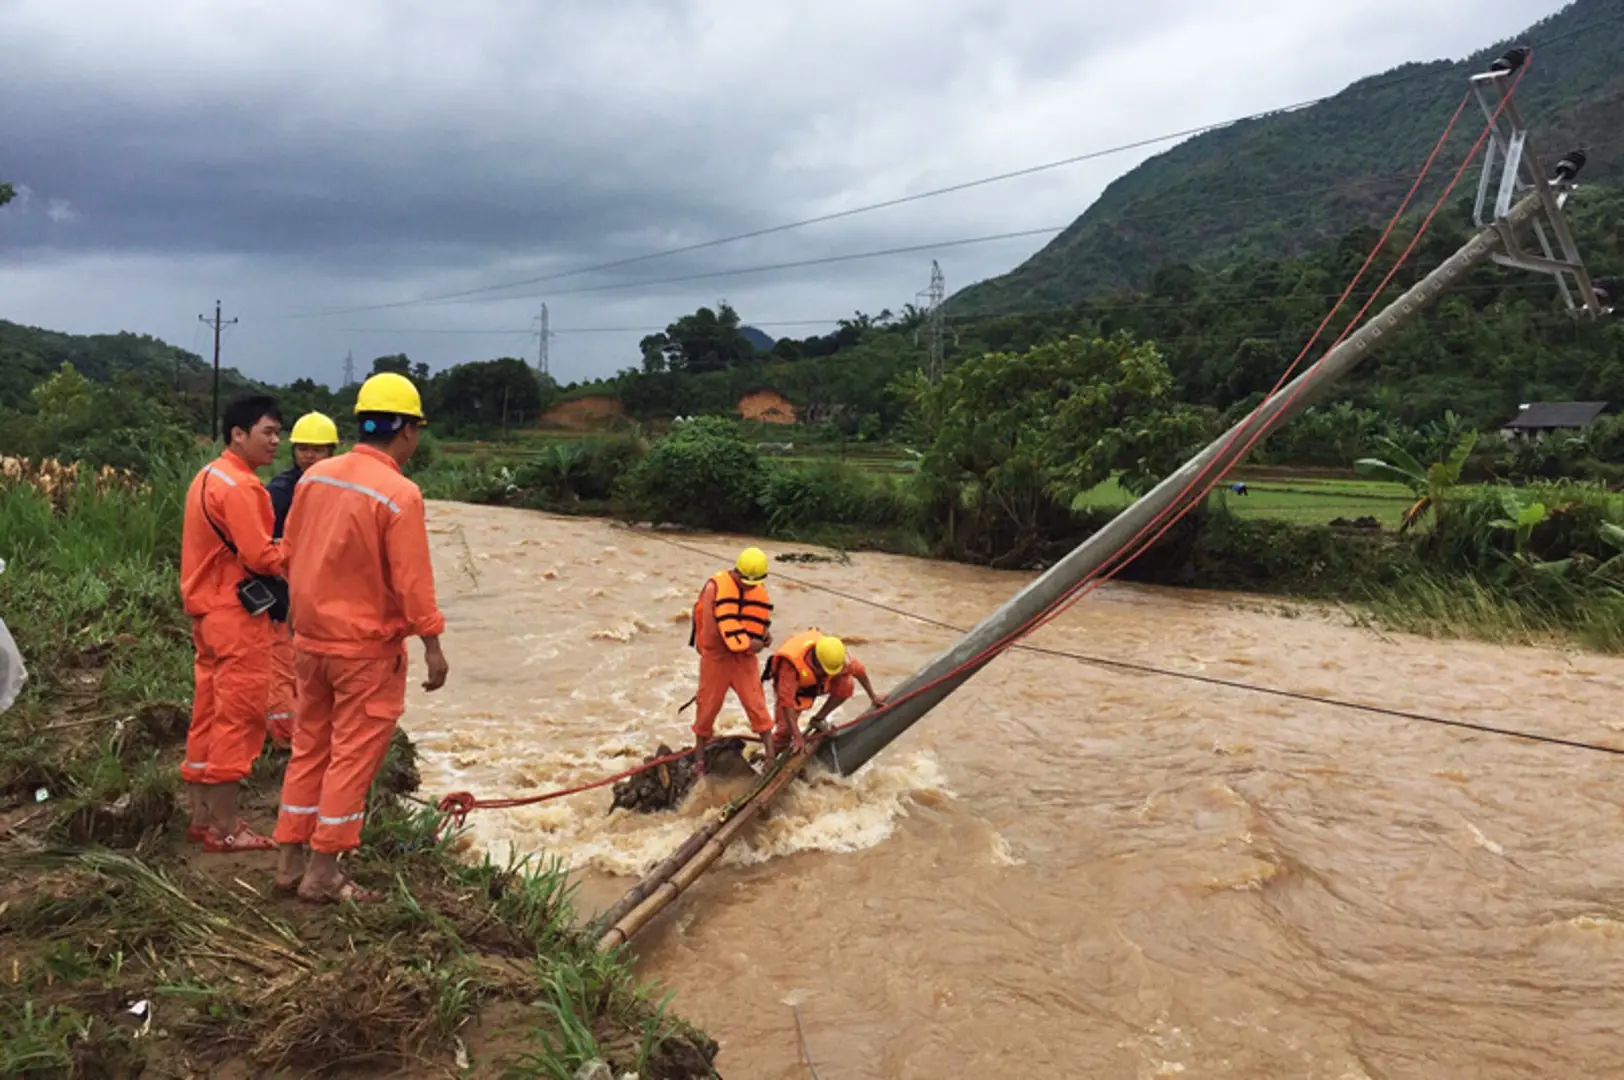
(314, 429)
(389, 392)
(752, 565)
(831, 654)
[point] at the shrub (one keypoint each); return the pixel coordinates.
(1306, 560)
(428, 453)
(702, 475)
(795, 498)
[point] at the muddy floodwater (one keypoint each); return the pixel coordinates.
(1065, 870)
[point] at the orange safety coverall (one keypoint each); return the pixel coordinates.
(360, 583)
(797, 685)
(726, 620)
(232, 669)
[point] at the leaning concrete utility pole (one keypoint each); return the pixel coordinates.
(1526, 194)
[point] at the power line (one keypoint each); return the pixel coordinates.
(1081, 308)
(556, 332)
(1188, 676)
(1404, 177)
(793, 264)
(930, 246)
(885, 204)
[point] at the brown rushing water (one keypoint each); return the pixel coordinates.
(1067, 870)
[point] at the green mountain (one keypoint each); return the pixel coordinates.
(29, 355)
(1281, 185)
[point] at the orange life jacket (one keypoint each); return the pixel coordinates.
(797, 652)
(742, 615)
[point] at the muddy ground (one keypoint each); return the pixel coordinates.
(126, 952)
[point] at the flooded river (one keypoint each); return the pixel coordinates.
(1068, 871)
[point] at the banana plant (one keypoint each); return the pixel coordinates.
(1429, 484)
(1613, 567)
(1521, 520)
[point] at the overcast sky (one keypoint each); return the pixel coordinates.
(298, 157)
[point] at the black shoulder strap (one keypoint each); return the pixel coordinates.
(203, 501)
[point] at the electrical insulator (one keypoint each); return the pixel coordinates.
(1569, 167)
(1512, 60)
(1607, 291)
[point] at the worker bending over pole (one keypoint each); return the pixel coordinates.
(808, 666)
(732, 622)
(229, 584)
(361, 583)
(314, 438)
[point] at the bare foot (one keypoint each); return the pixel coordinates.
(345, 889)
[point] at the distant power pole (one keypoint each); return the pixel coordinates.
(933, 321)
(545, 334)
(217, 323)
(349, 369)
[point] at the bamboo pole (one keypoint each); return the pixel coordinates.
(657, 876)
(682, 874)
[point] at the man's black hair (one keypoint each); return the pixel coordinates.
(379, 428)
(245, 412)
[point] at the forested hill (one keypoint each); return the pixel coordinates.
(1279, 186)
(28, 355)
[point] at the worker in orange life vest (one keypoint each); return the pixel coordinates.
(808, 666)
(732, 622)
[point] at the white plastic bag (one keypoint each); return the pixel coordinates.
(12, 675)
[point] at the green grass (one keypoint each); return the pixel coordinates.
(1463, 607)
(1300, 501)
(98, 900)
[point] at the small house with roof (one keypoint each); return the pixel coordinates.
(1535, 420)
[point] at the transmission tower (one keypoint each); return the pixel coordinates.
(932, 328)
(349, 369)
(545, 335)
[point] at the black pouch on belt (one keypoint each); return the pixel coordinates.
(259, 594)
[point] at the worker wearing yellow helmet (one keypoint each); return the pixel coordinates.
(314, 438)
(808, 666)
(732, 622)
(360, 583)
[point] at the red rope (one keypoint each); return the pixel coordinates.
(1421, 231)
(457, 805)
(1091, 581)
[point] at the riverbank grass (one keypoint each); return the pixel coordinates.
(124, 951)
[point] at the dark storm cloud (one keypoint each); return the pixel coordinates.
(306, 156)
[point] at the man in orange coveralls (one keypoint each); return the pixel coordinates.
(357, 551)
(226, 545)
(314, 438)
(809, 665)
(732, 622)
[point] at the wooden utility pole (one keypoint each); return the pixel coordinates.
(217, 323)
